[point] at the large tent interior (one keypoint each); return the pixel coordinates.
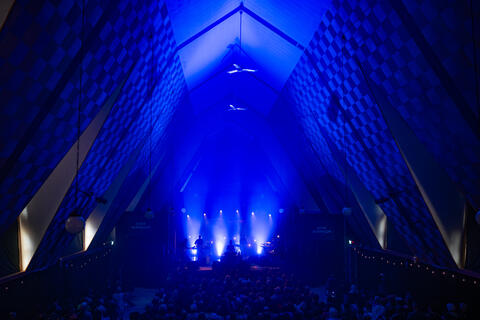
(334, 140)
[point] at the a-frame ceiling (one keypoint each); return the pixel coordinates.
(364, 95)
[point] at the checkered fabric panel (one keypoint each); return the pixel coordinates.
(50, 132)
(133, 181)
(312, 171)
(100, 168)
(412, 86)
(447, 27)
(126, 128)
(361, 121)
(328, 185)
(303, 100)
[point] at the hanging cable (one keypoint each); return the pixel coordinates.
(79, 105)
(151, 124)
(75, 223)
(344, 117)
(475, 62)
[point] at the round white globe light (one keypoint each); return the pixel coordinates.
(74, 224)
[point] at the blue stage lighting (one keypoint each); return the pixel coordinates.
(219, 246)
(269, 215)
(204, 214)
(183, 210)
(253, 213)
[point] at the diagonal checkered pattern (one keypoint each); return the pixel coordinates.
(428, 76)
(447, 27)
(369, 146)
(40, 125)
(125, 130)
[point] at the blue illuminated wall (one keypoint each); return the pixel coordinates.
(327, 89)
(128, 125)
(306, 109)
(231, 173)
(116, 40)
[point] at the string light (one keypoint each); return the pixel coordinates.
(430, 269)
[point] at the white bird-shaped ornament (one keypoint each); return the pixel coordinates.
(238, 69)
(233, 108)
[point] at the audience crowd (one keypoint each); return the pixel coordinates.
(272, 294)
(253, 294)
(107, 306)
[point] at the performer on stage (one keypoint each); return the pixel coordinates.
(200, 249)
(199, 242)
(231, 247)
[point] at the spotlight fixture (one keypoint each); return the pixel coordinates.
(204, 214)
(253, 213)
(269, 215)
(236, 211)
(188, 216)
